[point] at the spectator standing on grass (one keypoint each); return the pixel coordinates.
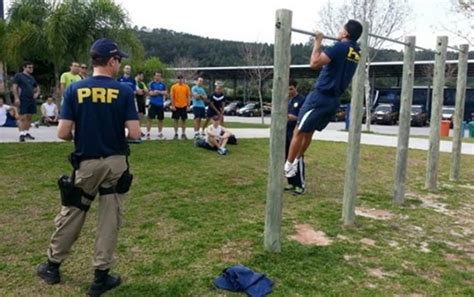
(216, 105)
(157, 92)
(199, 96)
(25, 91)
(180, 102)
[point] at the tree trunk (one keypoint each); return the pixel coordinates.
(368, 101)
(57, 89)
(260, 97)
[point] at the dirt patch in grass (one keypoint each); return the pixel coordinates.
(379, 273)
(233, 251)
(367, 241)
(372, 213)
(305, 234)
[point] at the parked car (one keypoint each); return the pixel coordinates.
(364, 116)
(386, 114)
(250, 110)
(448, 114)
(419, 116)
(231, 108)
(267, 109)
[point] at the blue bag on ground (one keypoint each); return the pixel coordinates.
(239, 278)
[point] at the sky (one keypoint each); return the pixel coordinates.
(253, 20)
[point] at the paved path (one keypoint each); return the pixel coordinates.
(48, 134)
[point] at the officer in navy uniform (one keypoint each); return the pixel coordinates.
(296, 183)
(95, 114)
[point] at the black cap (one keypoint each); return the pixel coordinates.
(106, 47)
(354, 28)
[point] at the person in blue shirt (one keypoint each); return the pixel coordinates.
(296, 183)
(157, 91)
(338, 63)
(199, 97)
(95, 113)
(127, 78)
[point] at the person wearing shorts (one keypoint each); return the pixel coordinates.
(8, 115)
(199, 96)
(216, 104)
(180, 101)
(338, 64)
(25, 91)
(157, 92)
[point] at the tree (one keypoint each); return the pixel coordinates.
(185, 62)
(385, 17)
(257, 55)
(61, 31)
(462, 24)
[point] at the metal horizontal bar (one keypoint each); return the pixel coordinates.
(312, 34)
(388, 39)
(423, 48)
(456, 49)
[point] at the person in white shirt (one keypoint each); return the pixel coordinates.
(217, 136)
(8, 115)
(49, 111)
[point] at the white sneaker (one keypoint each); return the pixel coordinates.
(148, 137)
(160, 136)
(291, 168)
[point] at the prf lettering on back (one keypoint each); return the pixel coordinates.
(352, 55)
(97, 95)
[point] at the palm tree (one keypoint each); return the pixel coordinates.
(61, 31)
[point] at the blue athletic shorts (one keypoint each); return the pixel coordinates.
(199, 112)
(316, 112)
(27, 106)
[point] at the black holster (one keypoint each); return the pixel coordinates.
(70, 194)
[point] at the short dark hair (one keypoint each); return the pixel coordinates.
(354, 29)
(139, 72)
(293, 83)
(99, 61)
(180, 76)
(26, 63)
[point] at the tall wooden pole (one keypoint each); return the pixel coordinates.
(459, 112)
(281, 76)
(353, 150)
(404, 120)
(436, 108)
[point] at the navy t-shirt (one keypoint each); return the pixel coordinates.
(99, 107)
(294, 106)
(27, 84)
(336, 76)
(129, 81)
(218, 99)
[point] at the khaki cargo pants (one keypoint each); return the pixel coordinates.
(91, 175)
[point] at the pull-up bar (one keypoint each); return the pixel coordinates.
(311, 33)
(370, 34)
(456, 49)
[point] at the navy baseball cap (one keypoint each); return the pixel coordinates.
(106, 47)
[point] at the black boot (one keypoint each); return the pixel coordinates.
(49, 272)
(103, 282)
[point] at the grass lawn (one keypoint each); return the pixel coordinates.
(191, 213)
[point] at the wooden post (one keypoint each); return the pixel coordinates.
(459, 112)
(281, 77)
(353, 149)
(435, 119)
(404, 120)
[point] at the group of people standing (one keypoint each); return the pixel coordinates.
(182, 100)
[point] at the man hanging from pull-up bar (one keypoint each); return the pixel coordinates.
(338, 63)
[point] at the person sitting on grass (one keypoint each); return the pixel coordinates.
(49, 112)
(216, 137)
(8, 115)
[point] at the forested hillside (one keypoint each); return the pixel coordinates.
(170, 46)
